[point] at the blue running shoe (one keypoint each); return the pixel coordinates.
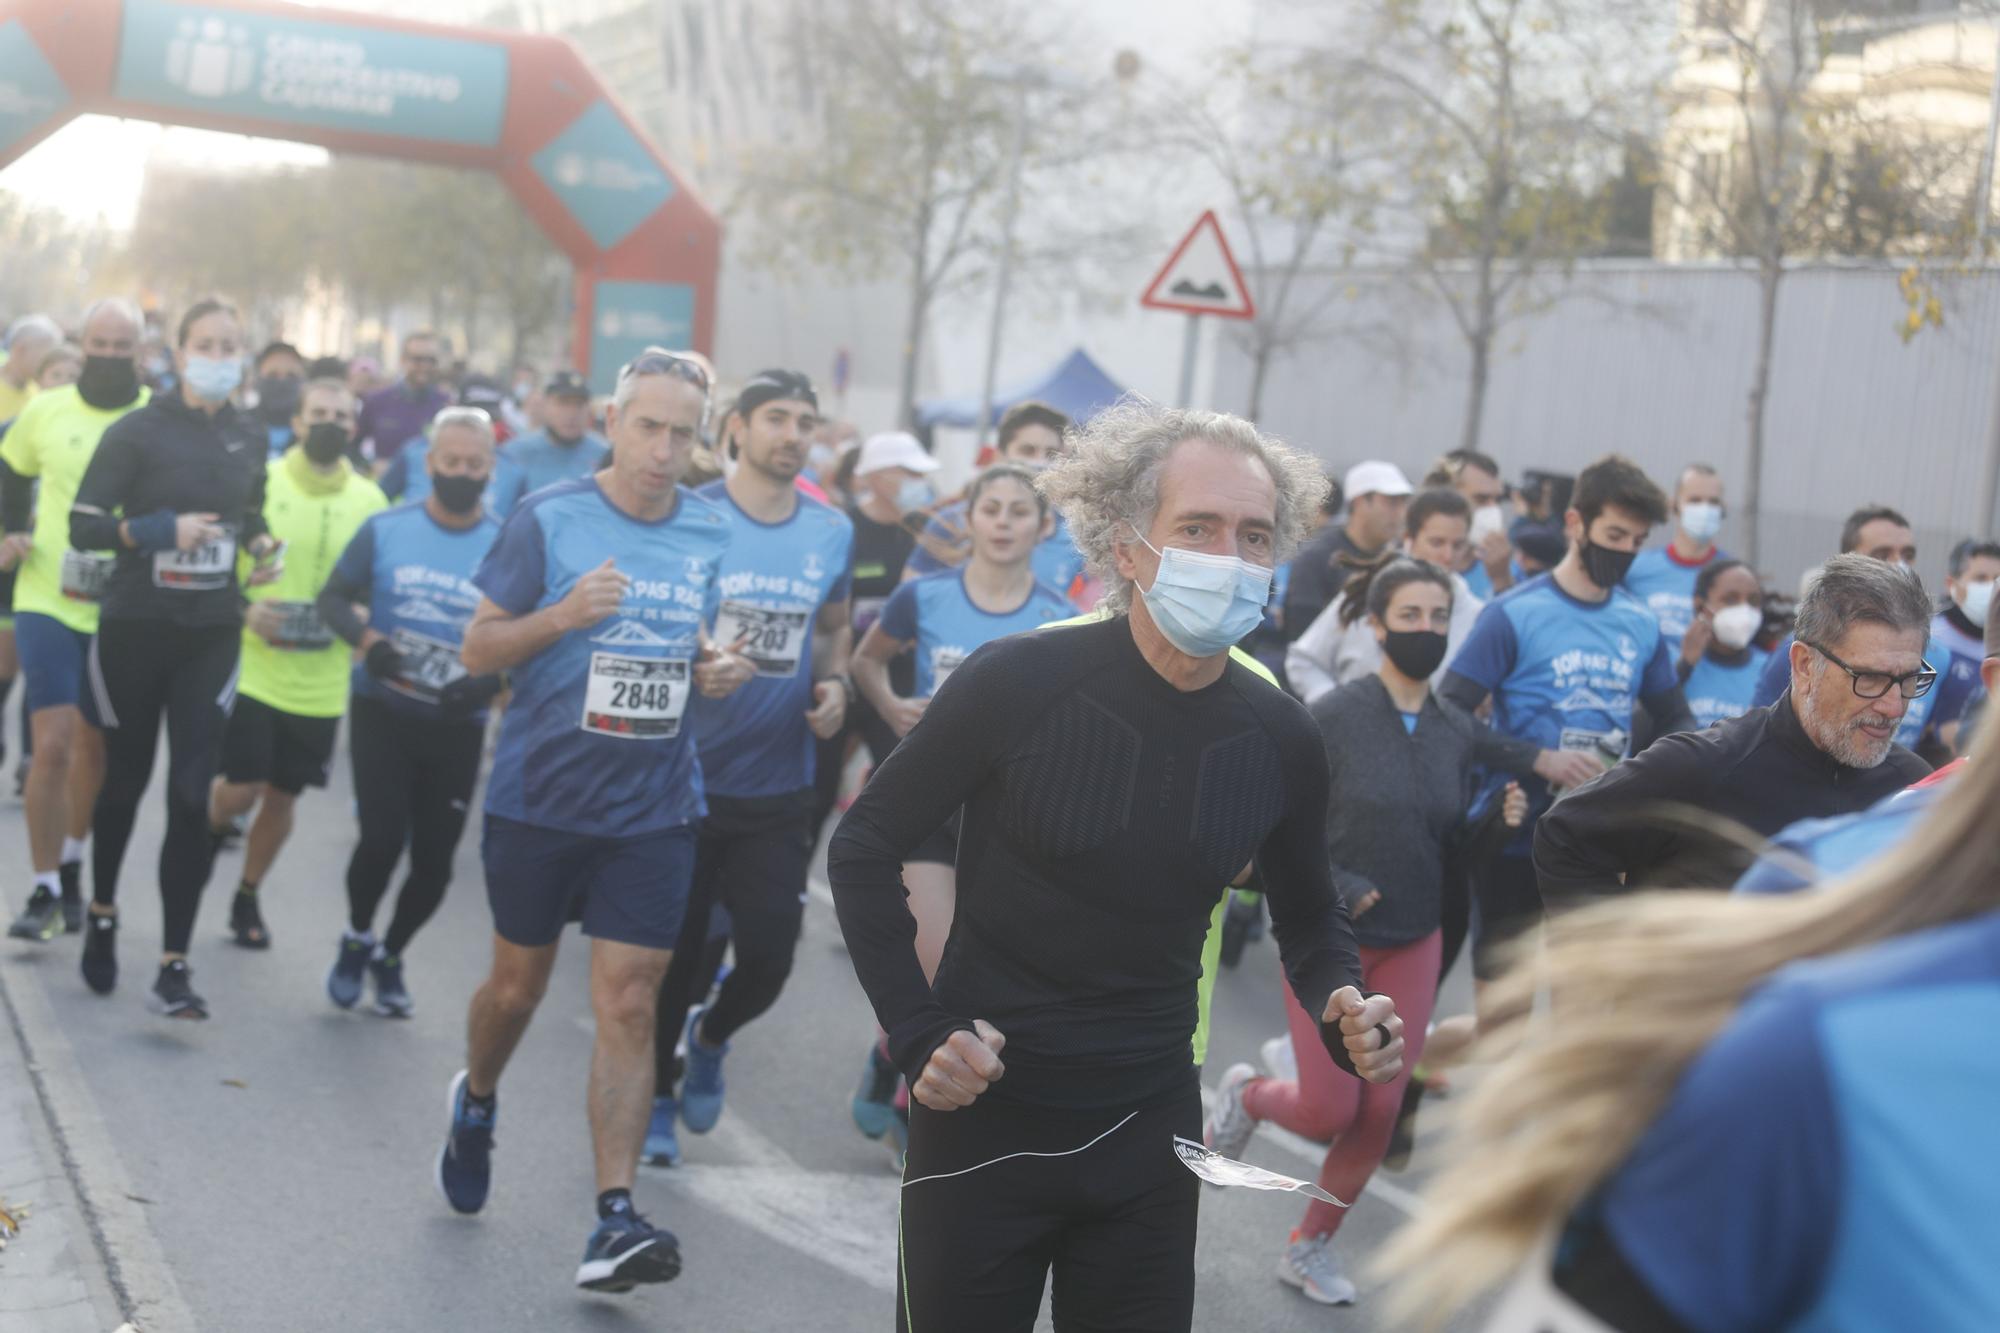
(874, 1101)
(350, 965)
(663, 1140)
(465, 1167)
(701, 1089)
(626, 1250)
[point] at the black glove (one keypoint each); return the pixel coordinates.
(383, 661)
(467, 695)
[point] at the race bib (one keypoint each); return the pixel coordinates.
(1606, 745)
(301, 631)
(428, 665)
(944, 661)
(638, 698)
(202, 569)
(772, 640)
(84, 574)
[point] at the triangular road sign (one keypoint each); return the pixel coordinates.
(1201, 277)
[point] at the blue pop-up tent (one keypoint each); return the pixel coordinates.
(1077, 385)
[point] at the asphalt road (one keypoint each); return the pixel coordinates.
(283, 1151)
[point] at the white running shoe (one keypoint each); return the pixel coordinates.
(1309, 1265)
(1230, 1124)
(1279, 1057)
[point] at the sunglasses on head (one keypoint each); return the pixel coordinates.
(655, 361)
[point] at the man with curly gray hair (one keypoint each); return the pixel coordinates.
(1111, 774)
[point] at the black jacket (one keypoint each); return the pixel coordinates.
(1643, 819)
(164, 460)
(1317, 576)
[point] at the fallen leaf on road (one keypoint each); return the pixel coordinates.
(11, 1217)
(234, 1083)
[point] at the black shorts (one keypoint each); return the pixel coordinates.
(996, 1197)
(266, 744)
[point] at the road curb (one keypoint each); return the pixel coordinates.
(119, 1233)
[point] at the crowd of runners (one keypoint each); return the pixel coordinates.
(1144, 687)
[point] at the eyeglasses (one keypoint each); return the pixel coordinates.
(1875, 684)
(656, 361)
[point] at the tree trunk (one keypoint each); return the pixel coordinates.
(1479, 341)
(1770, 272)
(913, 347)
(1260, 365)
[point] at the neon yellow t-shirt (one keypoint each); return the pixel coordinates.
(1211, 947)
(54, 439)
(307, 674)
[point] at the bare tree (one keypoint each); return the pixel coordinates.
(1504, 116)
(1761, 163)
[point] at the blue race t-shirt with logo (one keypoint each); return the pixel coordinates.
(417, 576)
(1717, 691)
(1827, 1162)
(1057, 560)
(775, 578)
(1564, 674)
(936, 614)
(595, 740)
(1956, 656)
(1666, 586)
(542, 461)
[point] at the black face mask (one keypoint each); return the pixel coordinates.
(1415, 652)
(459, 495)
(1606, 568)
(325, 442)
(278, 398)
(108, 381)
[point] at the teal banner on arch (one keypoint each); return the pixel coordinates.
(31, 92)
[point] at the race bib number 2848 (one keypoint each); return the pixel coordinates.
(635, 698)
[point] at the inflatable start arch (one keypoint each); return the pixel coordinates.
(522, 106)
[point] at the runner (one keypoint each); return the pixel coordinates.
(55, 606)
(417, 720)
(1030, 437)
(1719, 661)
(1111, 776)
(565, 447)
(594, 598)
(293, 687)
(177, 489)
(941, 619)
(1402, 765)
(784, 596)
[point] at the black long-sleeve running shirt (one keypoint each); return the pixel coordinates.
(164, 460)
(1102, 807)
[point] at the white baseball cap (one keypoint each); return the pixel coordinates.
(894, 448)
(1375, 478)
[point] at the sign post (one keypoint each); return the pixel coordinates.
(1199, 278)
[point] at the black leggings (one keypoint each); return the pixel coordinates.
(140, 669)
(752, 856)
(980, 1231)
(413, 781)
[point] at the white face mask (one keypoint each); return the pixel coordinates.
(1977, 603)
(1735, 626)
(1701, 519)
(1487, 520)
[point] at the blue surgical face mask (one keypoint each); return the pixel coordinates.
(1701, 519)
(914, 494)
(213, 378)
(1205, 604)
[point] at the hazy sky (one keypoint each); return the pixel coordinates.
(1168, 34)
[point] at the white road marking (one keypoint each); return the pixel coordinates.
(845, 1220)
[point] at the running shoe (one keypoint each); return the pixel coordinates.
(1309, 1265)
(663, 1139)
(1279, 1057)
(246, 923)
(71, 874)
(1230, 1124)
(41, 920)
(392, 997)
(702, 1089)
(872, 1106)
(343, 983)
(465, 1167)
(100, 951)
(626, 1250)
(173, 993)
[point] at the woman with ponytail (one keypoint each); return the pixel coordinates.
(1746, 1113)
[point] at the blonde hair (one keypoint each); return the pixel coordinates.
(1110, 478)
(1639, 987)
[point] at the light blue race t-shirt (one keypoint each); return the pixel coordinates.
(595, 740)
(1666, 586)
(775, 578)
(936, 614)
(1717, 691)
